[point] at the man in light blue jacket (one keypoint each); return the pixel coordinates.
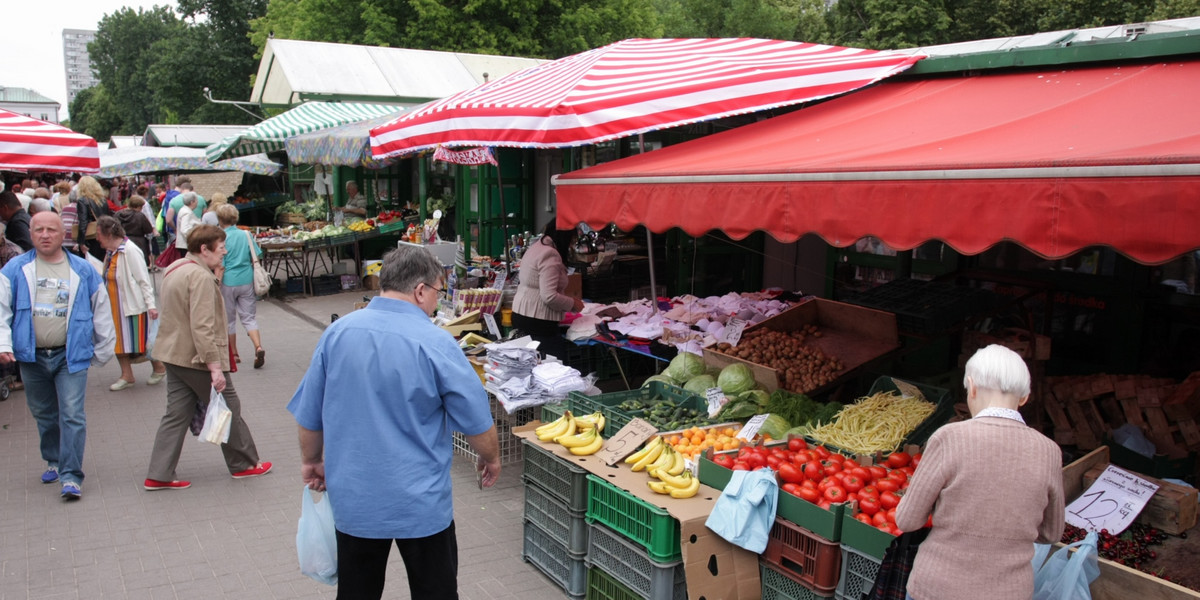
(55, 321)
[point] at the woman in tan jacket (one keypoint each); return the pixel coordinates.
(540, 302)
(193, 344)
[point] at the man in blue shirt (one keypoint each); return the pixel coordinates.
(376, 409)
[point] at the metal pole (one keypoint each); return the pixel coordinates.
(649, 244)
(508, 259)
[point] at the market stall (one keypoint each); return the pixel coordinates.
(27, 144)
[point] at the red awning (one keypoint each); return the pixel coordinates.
(27, 144)
(1055, 160)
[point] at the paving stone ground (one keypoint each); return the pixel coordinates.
(222, 538)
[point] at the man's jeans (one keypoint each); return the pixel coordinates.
(55, 398)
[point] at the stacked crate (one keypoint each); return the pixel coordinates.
(633, 547)
(555, 532)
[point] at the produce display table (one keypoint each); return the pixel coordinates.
(287, 257)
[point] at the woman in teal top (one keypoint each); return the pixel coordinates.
(237, 284)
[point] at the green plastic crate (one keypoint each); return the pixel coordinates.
(864, 538)
(940, 397)
(777, 586)
(582, 404)
(643, 523)
(551, 412)
(602, 586)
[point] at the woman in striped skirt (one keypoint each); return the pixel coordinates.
(131, 296)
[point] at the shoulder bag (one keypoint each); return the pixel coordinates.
(262, 280)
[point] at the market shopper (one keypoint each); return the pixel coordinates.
(237, 283)
(378, 434)
(137, 227)
(539, 304)
(188, 220)
(993, 486)
(16, 220)
(192, 343)
(131, 299)
(55, 323)
(91, 203)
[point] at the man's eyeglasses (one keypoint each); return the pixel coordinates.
(442, 294)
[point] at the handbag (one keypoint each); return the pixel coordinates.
(262, 280)
(316, 538)
(891, 582)
(168, 256)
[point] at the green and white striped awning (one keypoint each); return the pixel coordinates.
(271, 134)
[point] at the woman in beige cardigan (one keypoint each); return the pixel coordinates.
(188, 220)
(131, 295)
(540, 302)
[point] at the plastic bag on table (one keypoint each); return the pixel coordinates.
(1066, 575)
(316, 540)
(218, 420)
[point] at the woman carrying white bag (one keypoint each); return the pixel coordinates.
(193, 344)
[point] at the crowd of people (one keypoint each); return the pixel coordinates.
(77, 287)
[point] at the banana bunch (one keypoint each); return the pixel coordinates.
(661, 461)
(684, 485)
(564, 425)
(593, 421)
(647, 455)
(582, 444)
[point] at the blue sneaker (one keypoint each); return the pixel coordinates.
(51, 475)
(71, 491)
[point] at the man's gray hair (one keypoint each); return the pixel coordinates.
(189, 198)
(998, 368)
(38, 205)
(406, 267)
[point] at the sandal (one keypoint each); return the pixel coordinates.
(260, 357)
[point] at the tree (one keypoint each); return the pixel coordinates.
(93, 113)
(122, 61)
(798, 20)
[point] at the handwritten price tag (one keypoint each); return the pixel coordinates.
(1112, 502)
(716, 400)
(750, 429)
(626, 441)
(733, 331)
(501, 277)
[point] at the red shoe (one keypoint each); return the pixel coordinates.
(261, 469)
(153, 485)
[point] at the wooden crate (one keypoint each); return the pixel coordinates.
(1118, 582)
(1084, 410)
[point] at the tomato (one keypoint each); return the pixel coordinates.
(825, 504)
(898, 475)
(897, 460)
(810, 494)
(891, 515)
(889, 500)
(813, 470)
(745, 451)
(852, 483)
(869, 491)
(884, 527)
(790, 474)
(774, 462)
(864, 518)
(740, 466)
(868, 505)
(851, 496)
(835, 494)
(880, 518)
(792, 489)
(878, 472)
(887, 484)
(797, 444)
(824, 484)
(916, 460)
(835, 457)
(756, 460)
(831, 467)
(808, 483)
(724, 460)
(909, 470)
(862, 473)
(779, 453)
(822, 452)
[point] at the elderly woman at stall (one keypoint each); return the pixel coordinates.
(237, 283)
(540, 302)
(131, 296)
(210, 212)
(188, 220)
(986, 514)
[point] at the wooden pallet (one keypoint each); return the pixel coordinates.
(1085, 410)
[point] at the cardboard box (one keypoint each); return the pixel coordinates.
(716, 569)
(853, 334)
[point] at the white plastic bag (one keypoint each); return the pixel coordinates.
(151, 334)
(316, 540)
(1066, 575)
(217, 420)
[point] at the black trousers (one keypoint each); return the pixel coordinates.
(431, 563)
(546, 332)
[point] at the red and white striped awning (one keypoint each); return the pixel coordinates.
(28, 144)
(634, 86)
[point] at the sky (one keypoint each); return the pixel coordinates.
(31, 54)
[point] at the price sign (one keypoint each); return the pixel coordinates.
(750, 429)
(1112, 502)
(733, 331)
(626, 441)
(716, 400)
(908, 390)
(501, 277)
(490, 320)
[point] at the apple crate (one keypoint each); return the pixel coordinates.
(566, 526)
(630, 565)
(803, 555)
(566, 570)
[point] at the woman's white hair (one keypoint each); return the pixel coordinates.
(998, 368)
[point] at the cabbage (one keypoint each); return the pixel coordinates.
(700, 384)
(735, 379)
(758, 397)
(660, 378)
(684, 366)
(776, 427)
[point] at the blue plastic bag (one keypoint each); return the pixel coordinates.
(316, 540)
(1066, 575)
(745, 512)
